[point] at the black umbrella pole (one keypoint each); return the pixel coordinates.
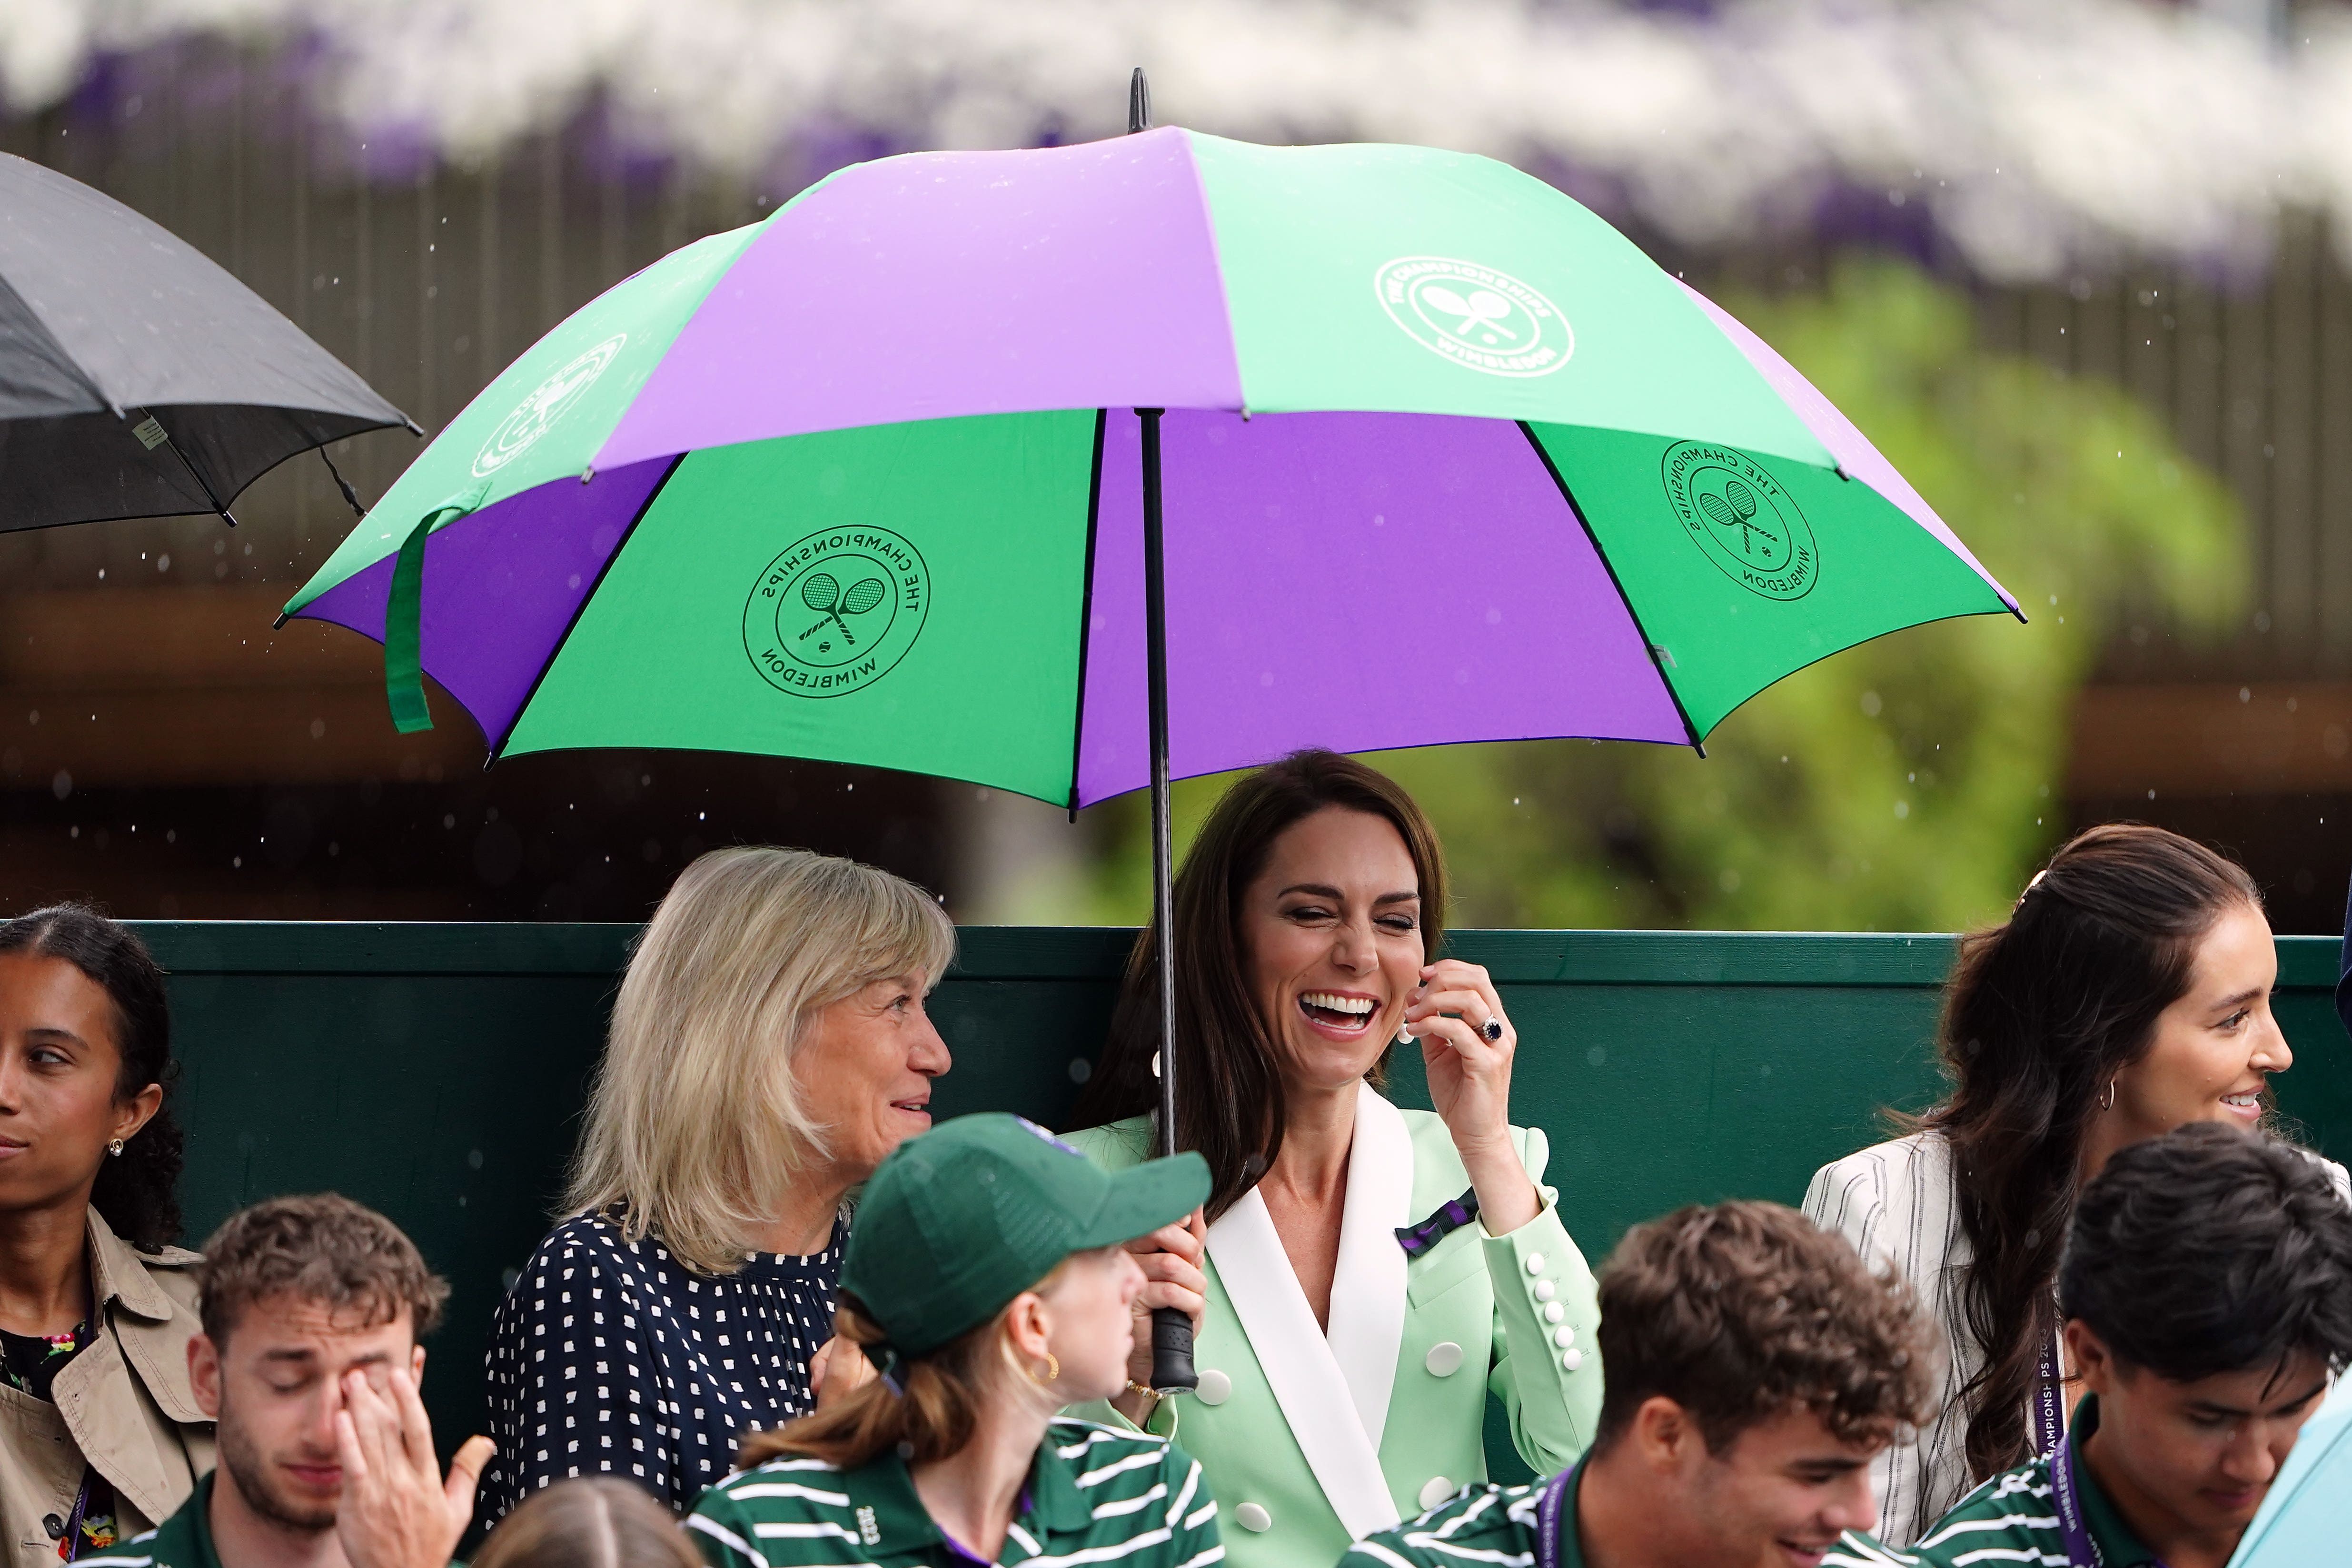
(1172, 1330)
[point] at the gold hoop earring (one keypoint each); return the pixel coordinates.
(2107, 1101)
(115, 1147)
(1053, 1372)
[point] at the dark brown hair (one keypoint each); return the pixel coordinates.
(1229, 1101)
(2040, 1014)
(589, 1521)
(320, 1247)
(930, 1414)
(137, 1190)
(2211, 1250)
(1740, 1311)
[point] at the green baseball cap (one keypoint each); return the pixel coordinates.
(962, 1219)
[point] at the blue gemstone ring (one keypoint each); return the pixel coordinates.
(1493, 1029)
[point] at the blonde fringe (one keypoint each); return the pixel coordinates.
(695, 1125)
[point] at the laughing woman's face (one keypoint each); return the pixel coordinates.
(2216, 1046)
(1333, 924)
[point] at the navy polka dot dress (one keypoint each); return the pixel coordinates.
(610, 1357)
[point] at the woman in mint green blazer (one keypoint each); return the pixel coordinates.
(1365, 1274)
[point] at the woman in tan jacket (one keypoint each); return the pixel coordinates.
(100, 1434)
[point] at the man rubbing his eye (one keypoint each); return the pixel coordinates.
(312, 1310)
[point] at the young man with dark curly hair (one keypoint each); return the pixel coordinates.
(1755, 1368)
(2206, 1292)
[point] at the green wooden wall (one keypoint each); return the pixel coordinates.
(436, 1071)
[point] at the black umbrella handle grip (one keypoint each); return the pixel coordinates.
(1172, 1351)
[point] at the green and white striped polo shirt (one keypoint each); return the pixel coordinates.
(183, 1541)
(2013, 1518)
(1497, 1527)
(1095, 1497)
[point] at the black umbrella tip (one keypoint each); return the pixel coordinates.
(412, 426)
(1139, 102)
(279, 623)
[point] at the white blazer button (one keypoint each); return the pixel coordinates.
(1544, 1292)
(1563, 1336)
(1534, 1262)
(1554, 1312)
(1571, 1360)
(1250, 1516)
(1435, 1490)
(1443, 1360)
(1216, 1387)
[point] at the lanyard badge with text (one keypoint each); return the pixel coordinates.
(2065, 1487)
(1553, 1516)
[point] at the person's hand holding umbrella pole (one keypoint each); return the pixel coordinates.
(1170, 1258)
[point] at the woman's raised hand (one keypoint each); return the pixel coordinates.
(1170, 1258)
(1470, 1083)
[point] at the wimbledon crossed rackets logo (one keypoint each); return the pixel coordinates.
(1480, 318)
(836, 611)
(1737, 512)
(550, 401)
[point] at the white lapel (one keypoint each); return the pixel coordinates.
(1367, 1289)
(1334, 1393)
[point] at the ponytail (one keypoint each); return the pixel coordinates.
(2040, 1014)
(927, 1407)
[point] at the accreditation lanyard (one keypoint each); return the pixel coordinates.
(2065, 1487)
(1553, 1516)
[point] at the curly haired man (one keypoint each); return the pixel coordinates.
(1755, 1367)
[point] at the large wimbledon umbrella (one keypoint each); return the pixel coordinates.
(881, 479)
(138, 378)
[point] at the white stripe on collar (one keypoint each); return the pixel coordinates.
(1368, 1291)
(1334, 1391)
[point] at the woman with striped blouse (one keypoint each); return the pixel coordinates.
(987, 1283)
(2128, 994)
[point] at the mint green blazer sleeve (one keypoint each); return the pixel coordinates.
(1547, 1373)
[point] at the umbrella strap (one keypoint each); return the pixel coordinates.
(403, 633)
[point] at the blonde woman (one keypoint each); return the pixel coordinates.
(767, 1049)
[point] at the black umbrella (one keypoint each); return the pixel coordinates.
(137, 378)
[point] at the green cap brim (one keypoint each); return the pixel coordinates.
(1145, 1197)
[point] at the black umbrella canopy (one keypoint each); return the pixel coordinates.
(138, 378)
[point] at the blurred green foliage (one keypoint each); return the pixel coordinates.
(1911, 784)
